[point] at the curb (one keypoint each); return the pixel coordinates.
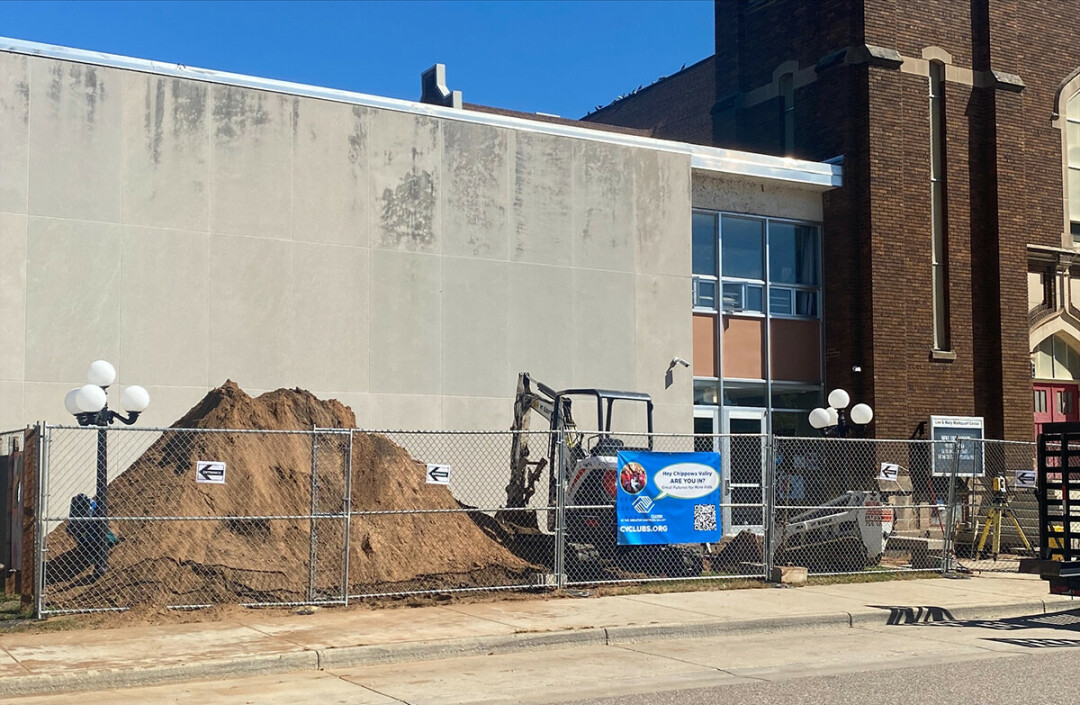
(38, 684)
(924, 615)
(321, 659)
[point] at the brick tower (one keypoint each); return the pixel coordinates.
(952, 239)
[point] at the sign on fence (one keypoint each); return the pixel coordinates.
(210, 472)
(438, 474)
(668, 498)
(1025, 478)
(968, 432)
(889, 471)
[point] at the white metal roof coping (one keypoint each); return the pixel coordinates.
(814, 175)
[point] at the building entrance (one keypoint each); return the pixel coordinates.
(1055, 401)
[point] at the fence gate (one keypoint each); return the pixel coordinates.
(328, 523)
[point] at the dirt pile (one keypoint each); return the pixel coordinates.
(250, 539)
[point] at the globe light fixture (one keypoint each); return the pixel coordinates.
(101, 373)
(861, 414)
(833, 421)
(89, 404)
(839, 399)
(819, 418)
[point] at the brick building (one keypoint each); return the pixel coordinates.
(949, 280)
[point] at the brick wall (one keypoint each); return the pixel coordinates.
(1003, 160)
(676, 107)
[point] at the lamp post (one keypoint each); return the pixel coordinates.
(834, 422)
(89, 404)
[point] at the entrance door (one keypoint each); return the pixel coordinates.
(744, 460)
(706, 424)
(1055, 401)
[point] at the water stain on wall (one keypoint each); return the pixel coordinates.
(542, 199)
(408, 211)
(358, 138)
(237, 110)
(475, 158)
(189, 107)
(83, 83)
(154, 118)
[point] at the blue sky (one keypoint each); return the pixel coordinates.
(558, 57)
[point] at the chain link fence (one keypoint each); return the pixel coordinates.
(996, 511)
(194, 517)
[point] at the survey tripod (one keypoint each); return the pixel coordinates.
(999, 512)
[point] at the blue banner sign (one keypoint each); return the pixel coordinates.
(668, 498)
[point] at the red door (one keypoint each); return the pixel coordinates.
(1055, 402)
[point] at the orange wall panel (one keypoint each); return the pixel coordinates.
(796, 351)
(705, 346)
(744, 347)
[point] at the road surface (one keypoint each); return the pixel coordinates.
(1031, 660)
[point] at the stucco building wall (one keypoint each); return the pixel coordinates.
(407, 264)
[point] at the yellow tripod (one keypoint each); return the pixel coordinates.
(999, 510)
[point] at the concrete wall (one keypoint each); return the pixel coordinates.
(736, 194)
(406, 265)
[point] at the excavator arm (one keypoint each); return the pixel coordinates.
(525, 472)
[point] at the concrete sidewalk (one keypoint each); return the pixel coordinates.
(261, 643)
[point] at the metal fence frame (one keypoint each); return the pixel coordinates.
(776, 504)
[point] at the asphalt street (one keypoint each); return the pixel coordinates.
(1025, 659)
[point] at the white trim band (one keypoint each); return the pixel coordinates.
(816, 175)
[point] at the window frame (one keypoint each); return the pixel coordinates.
(720, 384)
(939, 222)
(1070, 113)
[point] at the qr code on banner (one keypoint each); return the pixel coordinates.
(704, 517)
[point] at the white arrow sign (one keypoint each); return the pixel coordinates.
(889, 471)
(438, 474)
(1025, 478)
(210, 472)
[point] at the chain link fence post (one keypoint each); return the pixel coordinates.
(347, 520)
(769, 499)
(560, 510)
(950, 519)
(41, 497)
(313, 534)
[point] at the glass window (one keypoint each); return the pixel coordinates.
(796, 398)
(939, 230)
(706, 391)
(1044, 359)
(744, 394)
(780, 301)
(793, 254)
(705, 293)
(793, 423)
(1056, 359)
(743, 247)
(755, 298)
(740, 296)
(1072, 161)
(806, 303)
(704, 244)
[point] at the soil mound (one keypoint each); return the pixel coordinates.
(252, 539)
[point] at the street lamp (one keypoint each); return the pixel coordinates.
(833, 422)
(89, 404)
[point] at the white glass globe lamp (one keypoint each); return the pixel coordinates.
(819, 418)
(90, 399)
(839, 399)
(101, 373)
(862, 414)
(134, 399)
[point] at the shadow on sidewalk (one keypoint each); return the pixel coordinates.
(1068, 620)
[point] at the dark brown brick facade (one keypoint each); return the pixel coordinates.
(866, 99)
